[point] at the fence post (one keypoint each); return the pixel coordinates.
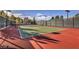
(46, 23)
(73, 22)
(63, 22)
(55, 22)
(50, 23)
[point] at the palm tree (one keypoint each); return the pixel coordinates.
(67, 13)
(2, 13)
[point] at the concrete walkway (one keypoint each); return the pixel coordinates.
(11, 38)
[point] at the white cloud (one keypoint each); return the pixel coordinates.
(48, 17)
(40, 16)
(30, 17)
(9, 13)
(17, 14)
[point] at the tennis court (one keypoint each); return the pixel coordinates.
(35, 30)
(67, 38)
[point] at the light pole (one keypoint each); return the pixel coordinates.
(67, 13)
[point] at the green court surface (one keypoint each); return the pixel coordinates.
(34, 30)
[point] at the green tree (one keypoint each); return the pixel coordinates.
(77, 15)
(18, 20)
(57, 17)
(34, 21)
(52, 18)
(13, 17)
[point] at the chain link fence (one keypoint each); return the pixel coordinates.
(69, 23)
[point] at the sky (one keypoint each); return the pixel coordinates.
(43, 14)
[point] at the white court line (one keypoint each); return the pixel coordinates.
(20, 33)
